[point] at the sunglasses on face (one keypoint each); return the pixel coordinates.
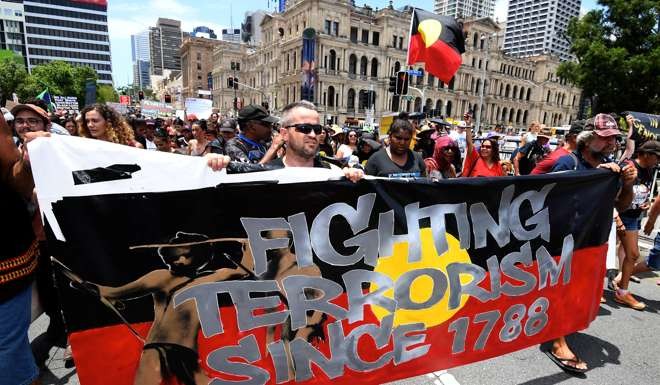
(486, 146)
(306, 128)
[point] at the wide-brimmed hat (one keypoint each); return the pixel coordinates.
(545, 133)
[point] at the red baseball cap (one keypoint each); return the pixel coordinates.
(605, 125)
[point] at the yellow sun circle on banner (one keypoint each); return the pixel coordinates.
(397, 264)
(430, 29)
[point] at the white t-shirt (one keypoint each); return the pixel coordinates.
(150, 145)
(346, 150)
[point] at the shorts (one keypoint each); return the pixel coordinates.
(17, 364)
(653, 260)
(631, 223)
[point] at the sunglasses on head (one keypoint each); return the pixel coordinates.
(306, 128)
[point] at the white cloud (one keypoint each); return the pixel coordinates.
(501, 8)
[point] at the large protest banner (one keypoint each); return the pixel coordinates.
(170, 271)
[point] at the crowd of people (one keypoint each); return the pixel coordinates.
(433, 149)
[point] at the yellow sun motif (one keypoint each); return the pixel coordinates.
(430, 30)
(396, 265)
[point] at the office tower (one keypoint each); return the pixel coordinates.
(165, 41)
(73, 31)
(141, 56)
(12, 28)
(539, 27)
(231, 34)
(203, 31)
(465, 8)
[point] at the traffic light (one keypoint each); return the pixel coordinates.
(168, 98)
(265, 105)
(401, 83)
(235, 103)
(235, 83)
(392, 87)
(230, 82)
(140, 95)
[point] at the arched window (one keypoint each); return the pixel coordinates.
(522, 93)
(507, 90)
(504, 111)
(525, 117)
(428, 106)
(352, 64)
(331, 97)
(518, 116)
(511, 111)
(478, 86)
(438, 108)
(418, 104)
(430, 80)
(420, 79)
(448, 109)
(333, 60)
(475, 40)
(350, 102)
(451, 84)
(363, 66)
(529, 94)
(362, 100)
(374, 68)
(514, 94)
(397, 68)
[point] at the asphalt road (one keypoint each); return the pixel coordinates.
(621, 347)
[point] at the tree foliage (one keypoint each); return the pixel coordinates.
(618, 53)
(105, 93)
(12, 75)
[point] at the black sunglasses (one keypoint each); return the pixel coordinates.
(306, 128)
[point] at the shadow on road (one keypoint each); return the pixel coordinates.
(593, 350)
(48, 378)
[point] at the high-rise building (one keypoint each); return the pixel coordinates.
(231, 34)
(539, 27)
(141, 56)
(465, 8)
(203, 31)
(12, 27)
(165, 41)
(73, 31)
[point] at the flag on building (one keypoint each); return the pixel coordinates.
(45, 96)
(438, 41)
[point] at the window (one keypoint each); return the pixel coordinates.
(365, 36)
(335, 28)
(375, 40)
(354, 34)
(400, 42)
(199, 66)
(394, 40)
(199, 56)
(327, 26)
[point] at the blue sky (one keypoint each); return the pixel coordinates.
(127, 17)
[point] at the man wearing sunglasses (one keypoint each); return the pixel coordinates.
(300, 128)
(251, 145)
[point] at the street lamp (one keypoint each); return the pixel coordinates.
(483, 80)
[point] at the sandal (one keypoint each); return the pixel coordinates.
(566, 364)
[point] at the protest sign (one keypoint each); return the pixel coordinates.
(66, 103)
(201, 108)
(152, 109)
(119, 107)
(645, 126)
(345, 283)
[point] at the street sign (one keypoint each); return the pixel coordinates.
(419, 73)
(408, 97)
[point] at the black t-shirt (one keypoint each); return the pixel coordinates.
(532, 153)
(641, 191)
(380, 164)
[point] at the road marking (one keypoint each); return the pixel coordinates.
(443, 377)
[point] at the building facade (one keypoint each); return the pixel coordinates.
(165, 41)
(72, 31)
(141, 56)
(358, 49)
(231, 34)
(196, 66)
(539, 27)
(203, 31)
(465, 8)
(12, 28)
(251, 27)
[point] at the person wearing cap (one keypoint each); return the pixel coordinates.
(648, 155)
(592, 151)
(29, 118)
(18, 254)
(533, 151)
(227, 129)
(545, 165)
(250, 145)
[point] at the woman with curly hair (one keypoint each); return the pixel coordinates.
(104, 123)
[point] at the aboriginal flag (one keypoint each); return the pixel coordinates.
(437, 41)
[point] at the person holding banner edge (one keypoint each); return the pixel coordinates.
(18, 260)
(593, 150)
